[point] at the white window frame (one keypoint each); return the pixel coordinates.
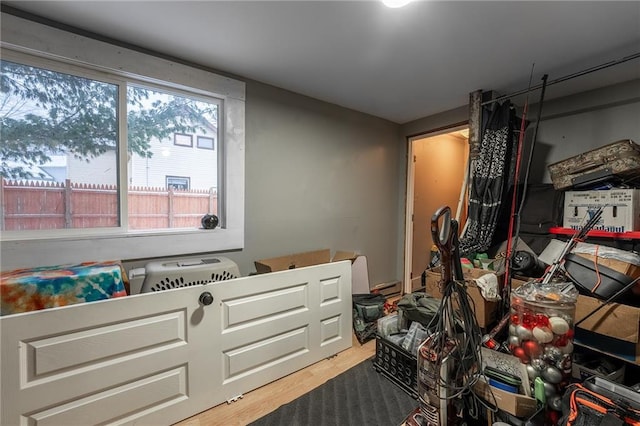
(110, 62)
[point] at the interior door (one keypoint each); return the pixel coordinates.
(118, 361)
(158, 358)
(439, 166)
(275, 324)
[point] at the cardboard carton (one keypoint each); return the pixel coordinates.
(614, 329)
(617, 265)
(344, 255)
(486, 311)
(513, 403)
(517, 281)
(299, 260)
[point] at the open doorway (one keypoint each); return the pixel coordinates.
(435, 176)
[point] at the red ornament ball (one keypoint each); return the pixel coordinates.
(561, 340)
(542, 320)
(528, 320)
(520, 353)
(515, 319)
(532, 348)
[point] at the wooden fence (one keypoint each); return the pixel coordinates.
(57, 205)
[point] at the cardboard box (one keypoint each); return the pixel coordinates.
(620, 214)
(486, 311)
(517, 281)
(299, 260)
(513, 403)
(617, 265)
(614, 329)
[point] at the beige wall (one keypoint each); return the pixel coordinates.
(319, 176)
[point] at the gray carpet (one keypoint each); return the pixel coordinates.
(360, 395)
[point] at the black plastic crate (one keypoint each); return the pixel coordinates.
(397, 365)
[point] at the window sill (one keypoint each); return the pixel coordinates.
(29, 253)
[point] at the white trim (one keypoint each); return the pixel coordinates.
(123, 160)
(408, 240)
(31, 37)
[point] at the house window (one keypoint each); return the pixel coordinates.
(95, 147)
(63, 128)
(180, 183)
(181, 139)
(48, 123)
(206, 143)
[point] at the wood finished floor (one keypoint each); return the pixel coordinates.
(266, 399)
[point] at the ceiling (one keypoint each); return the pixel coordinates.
(397, 64)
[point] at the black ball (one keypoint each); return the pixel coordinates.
(209, 221)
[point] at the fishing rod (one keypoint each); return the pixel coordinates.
(507, 266)
(580, 235)
(515, 217)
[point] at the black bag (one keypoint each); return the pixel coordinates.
(597, 280)
(367, 309)
(584, 407)
(419, 306)
(370, 307)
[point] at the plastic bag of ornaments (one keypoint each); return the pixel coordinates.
(541, 331)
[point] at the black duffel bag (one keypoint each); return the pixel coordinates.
(418, 306)
(367, 309)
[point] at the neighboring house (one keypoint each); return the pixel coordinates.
(187, 161)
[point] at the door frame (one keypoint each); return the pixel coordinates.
(410, 188)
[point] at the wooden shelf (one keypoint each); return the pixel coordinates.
(632, 235)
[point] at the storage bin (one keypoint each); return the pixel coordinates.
(397, 365)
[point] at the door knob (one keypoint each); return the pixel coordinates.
(206, 298)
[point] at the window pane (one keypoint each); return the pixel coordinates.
(172, 183)
(58, 156)
(205, 143)
(184, 140)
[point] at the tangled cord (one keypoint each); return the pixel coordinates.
(466, 358)
(465, 333)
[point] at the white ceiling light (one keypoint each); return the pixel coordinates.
(396, 3)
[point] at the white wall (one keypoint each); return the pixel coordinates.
(101, 170)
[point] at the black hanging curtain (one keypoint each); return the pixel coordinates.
(492, 177)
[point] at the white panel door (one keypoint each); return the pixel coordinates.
(160, 357)
(274, 324)
(119, 361)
